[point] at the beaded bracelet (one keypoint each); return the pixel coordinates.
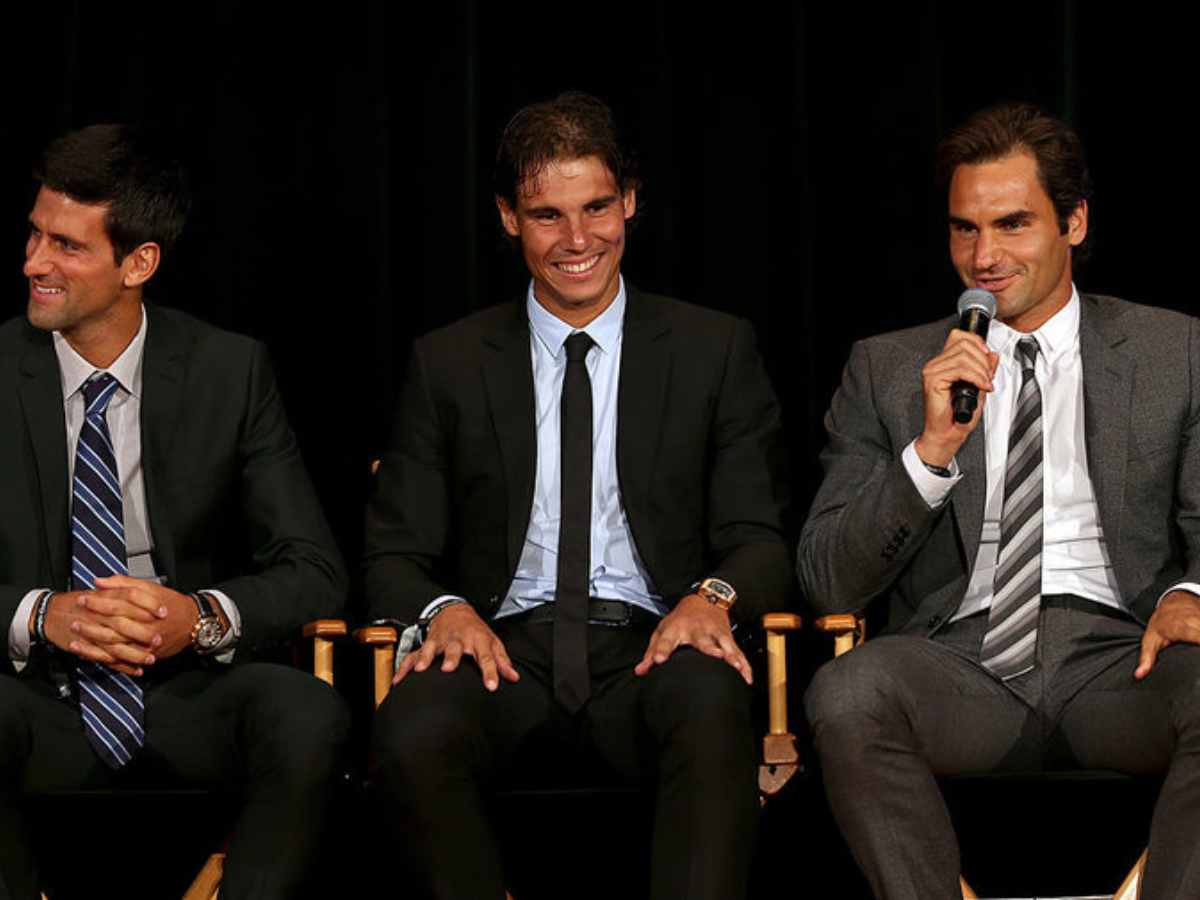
(39, 618)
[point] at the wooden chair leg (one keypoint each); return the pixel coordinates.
(967, 893)
(209, 880)
(1131, 887)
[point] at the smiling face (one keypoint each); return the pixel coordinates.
(75, 285)
(570, 221)
(1005, 238)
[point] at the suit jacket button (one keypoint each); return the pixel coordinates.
(935, 622)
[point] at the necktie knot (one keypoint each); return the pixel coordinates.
(97, 392)
(1028, 349)
(578, 346)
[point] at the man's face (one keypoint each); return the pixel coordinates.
(1004, 238)
(570, 221)
(74, 284)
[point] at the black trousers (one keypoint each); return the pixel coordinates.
(272, 732)
(440, 739)
(895, 713)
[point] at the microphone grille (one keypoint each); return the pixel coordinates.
(977, 298)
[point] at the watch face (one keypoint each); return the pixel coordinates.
(208, 633)
(719, 592)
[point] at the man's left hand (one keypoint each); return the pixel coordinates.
(175, 627)
(694, 622)
(1176, 620)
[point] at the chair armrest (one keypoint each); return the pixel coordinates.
(382, 640)
(848, 631)
(322, 632)
(781, 759)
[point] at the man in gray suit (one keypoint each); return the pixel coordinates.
(1039, 573)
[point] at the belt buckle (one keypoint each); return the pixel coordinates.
(609, 620)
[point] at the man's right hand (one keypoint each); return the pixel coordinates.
(964, 357)
(457, 631)
(123, 637)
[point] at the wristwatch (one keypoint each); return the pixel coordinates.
(208, 632)
(717, 592)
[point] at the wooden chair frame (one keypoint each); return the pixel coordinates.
(849, 631)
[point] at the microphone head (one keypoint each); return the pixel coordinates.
(977, 298)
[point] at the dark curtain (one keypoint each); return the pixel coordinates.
(341, 161)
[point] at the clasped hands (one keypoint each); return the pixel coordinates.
(125, 623)
(458, 631)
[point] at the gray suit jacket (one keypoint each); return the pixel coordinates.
(871, 535)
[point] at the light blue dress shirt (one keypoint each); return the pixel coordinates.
(617, 572)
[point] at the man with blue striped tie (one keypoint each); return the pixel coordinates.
(159, 529)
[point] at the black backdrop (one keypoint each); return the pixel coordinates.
(341, 160)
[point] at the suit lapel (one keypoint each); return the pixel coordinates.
(1108, 374)
(164, 363)
(42, 402)
(508, 375)
(970, 496)
(641, 404)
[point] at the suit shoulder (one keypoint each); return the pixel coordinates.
(1140, 316)
(919, 340)
(687, 319)
(472, 328)
(199, 336)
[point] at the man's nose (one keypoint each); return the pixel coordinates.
(37, 260)
(986, 251)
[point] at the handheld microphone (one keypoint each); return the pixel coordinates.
(976, 307)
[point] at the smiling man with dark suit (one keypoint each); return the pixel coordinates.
(159, 529)
(1040, 574)
(583, 495)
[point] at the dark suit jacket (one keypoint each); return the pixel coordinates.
(230, 504)
(700, 461)
(870, 534)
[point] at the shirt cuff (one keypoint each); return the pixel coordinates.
(18, 632)
(934, 489)
(223, 652)
(1190, 586)
(437, 601)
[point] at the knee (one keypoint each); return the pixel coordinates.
(849, 696)
(305, 725)
(701, 704)
(415, 734)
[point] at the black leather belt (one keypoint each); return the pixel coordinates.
(613, 613)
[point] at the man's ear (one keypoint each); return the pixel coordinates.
(508, 217)
(141, 263)
(1077, 224)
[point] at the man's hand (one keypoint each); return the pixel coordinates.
(174, 626)
(964, 357)
(694, 622)
(455, 631)
(1176, 620)
(119, 635)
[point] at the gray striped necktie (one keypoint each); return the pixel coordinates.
(110, 702)
(1010, 644)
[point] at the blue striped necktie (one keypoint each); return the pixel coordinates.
(110, 702)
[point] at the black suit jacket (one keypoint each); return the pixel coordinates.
(870, 534)
(230, 504)
(700, 461)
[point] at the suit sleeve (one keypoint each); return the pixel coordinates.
(748, 489)
(868, 518)
(408, 517)
(298, 574)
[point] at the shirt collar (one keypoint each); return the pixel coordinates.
(553, 332)
(126, 368)
(1057, 335)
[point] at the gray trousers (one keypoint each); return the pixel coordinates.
(897, 712)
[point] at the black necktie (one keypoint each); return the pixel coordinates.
(572, 684)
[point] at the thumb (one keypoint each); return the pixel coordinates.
(1152, 643)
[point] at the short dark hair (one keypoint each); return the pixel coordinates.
(1007, 128)
(571, 126)
(130, 170)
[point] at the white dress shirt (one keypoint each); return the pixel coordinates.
(124, 424)
(1075, 558)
